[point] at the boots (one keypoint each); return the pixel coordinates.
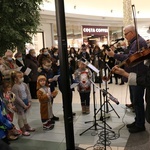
(28, 128)
(24, 132)
(83, 109)
(87, 109)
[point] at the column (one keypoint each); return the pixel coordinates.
(47, 28)
(127, 12)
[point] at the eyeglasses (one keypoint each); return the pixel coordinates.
(127, 33)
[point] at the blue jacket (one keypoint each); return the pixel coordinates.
(5, 124)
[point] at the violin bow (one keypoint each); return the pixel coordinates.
(135, 24)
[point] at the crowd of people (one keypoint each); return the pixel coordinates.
(26, 77)
(22, 79)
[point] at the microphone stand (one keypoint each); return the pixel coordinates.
(105, 104)
(94, 69)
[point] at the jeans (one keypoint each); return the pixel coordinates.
(138, 102)
(25, 101)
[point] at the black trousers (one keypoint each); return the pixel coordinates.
(32, 86)
(85, 99)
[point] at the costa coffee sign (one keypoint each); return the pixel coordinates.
(94, 30)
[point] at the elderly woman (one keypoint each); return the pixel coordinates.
(21, 63)
(9, 65)
(32, 63)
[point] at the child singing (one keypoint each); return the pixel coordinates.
(5, 124)
(45, 98)
(22, 101)
(8, 99)
(83, 76)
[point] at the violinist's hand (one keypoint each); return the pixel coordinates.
(110, 53)
(120, 71)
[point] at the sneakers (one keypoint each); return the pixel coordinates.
(48, 126)
(54, 118)
(51, 121)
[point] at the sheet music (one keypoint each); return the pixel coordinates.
(27, 72)
(93, 68)
(73, 85)
(56, 77)
(90, 65)
(19, 68)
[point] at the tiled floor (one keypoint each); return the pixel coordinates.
(55, 139)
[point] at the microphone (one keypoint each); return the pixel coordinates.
(111, 97)
(114, 99)
(121, 39)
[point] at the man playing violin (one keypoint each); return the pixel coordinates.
(136, 91)
(136, 79)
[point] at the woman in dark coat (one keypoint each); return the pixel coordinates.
(32, 63)
(21, 63)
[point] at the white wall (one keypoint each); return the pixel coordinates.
(47, 28)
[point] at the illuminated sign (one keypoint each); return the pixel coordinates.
(94, 30)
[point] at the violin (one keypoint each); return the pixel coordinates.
(132, 61)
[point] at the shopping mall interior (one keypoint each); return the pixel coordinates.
(109, 15)
(79, 13)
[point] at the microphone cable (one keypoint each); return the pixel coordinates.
(110, 135)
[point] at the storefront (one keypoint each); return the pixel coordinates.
(95, 35)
